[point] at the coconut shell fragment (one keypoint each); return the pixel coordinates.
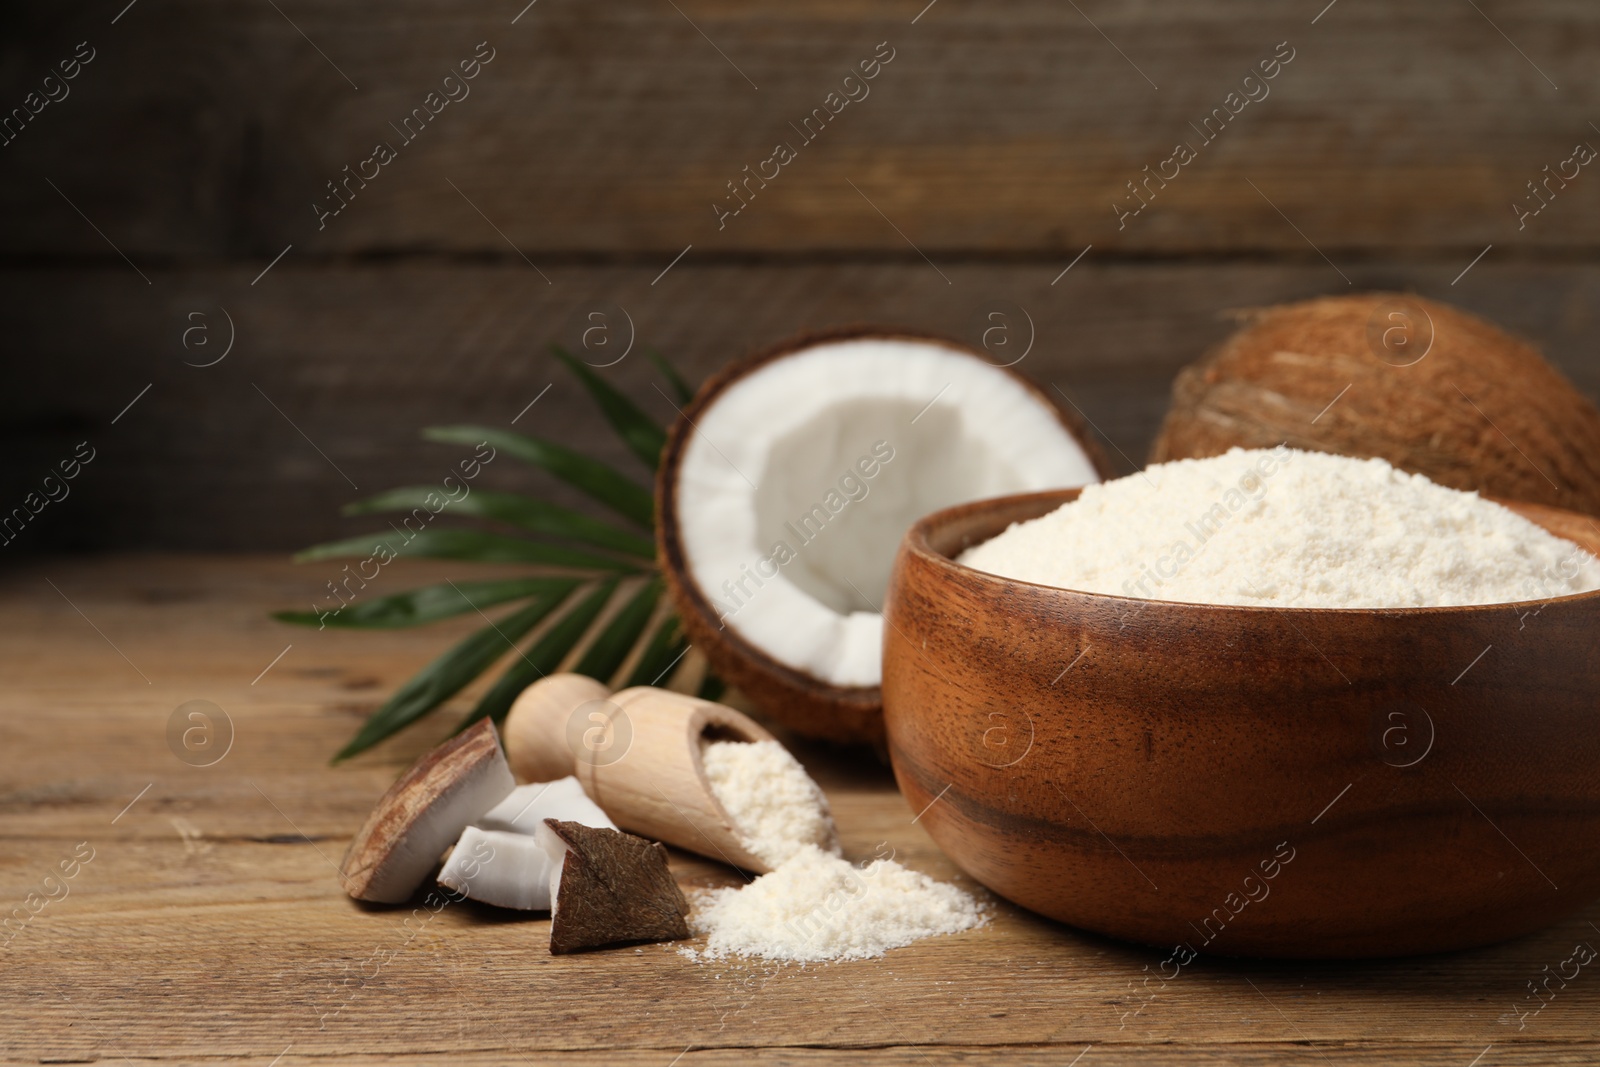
(423, 814)
(611, 887)
(1426, 386)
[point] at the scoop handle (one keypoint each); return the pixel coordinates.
(535, 730)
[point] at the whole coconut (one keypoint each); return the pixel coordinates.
(1421, 384)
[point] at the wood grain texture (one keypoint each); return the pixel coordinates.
(1177, 774)
(613, 129)
(210, 926)
(588, 155)
(361, 359)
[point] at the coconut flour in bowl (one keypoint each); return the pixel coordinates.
(1285, 528)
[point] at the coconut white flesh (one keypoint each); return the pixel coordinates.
(557, 850)
(528, 806)
(502, 860)
(503, 868)
(774, 445)
(418, 850)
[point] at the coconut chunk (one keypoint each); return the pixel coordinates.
(423, 812)
(499, 860)
(608, 887)
(528, 806)
(503, 868)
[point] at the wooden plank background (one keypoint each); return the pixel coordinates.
(208, 130)
(588, 154)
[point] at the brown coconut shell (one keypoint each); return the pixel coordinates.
(807, 705)
(615, 889)
(1480, 410)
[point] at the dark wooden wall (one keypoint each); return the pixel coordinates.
(588, 155)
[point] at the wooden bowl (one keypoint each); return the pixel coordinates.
(1247, 780)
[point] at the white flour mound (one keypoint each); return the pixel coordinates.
(1286, 528)
(817, 907)
(775, 805)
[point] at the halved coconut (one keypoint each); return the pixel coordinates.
(786, 486)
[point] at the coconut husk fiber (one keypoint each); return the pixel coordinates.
(615, 888)
(1428, 387)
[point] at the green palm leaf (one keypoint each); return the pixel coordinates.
(609, 487)
(602, 658)
(637, 430)
(427, 604)
(545, 656)
(450, 673)
(679, 386)
(465, 544)
(468, 659)
(536, 515)
(666, 648)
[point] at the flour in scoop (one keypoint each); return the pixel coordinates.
(775, 806)
(1285, 528)
(817, 907)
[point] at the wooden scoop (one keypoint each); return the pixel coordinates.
(637, 753)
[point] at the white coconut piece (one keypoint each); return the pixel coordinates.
(504, 868)
(528, 806)
(500, 860)
(425, 810)
(801, 478)
(556, 848)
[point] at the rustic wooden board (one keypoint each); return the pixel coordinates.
(613, 128)
(361, 359)
(209, 926)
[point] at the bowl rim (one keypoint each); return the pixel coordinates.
(917, 541)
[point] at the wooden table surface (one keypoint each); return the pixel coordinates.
(209, 927)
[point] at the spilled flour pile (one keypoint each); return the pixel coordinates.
(813, 906)
(1285, 528)
(776, 807)
(817, 907)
